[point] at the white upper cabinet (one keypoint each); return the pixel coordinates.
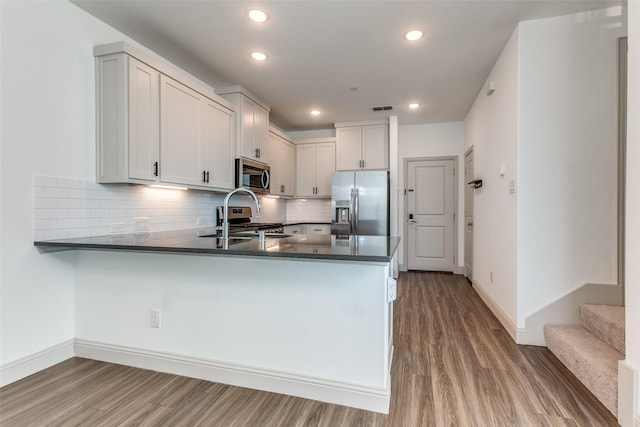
(218, 153)
(157, 125)
(252, 138)
(362, 146)
(315, 163)
(282, 159)
(143, 121)
(128, 109)
(180, 134)
(195, 138)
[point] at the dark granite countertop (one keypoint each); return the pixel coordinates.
(327, 247)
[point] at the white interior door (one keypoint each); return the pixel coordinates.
(430, 215)
(468, 215)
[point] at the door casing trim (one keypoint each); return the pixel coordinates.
(405, 230)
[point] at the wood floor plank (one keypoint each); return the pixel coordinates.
(453, 365)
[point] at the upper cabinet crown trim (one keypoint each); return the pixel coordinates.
(361, 123)
(164, 67)
(239, 89)
(279, 132)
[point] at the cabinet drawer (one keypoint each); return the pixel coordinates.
(318, 229)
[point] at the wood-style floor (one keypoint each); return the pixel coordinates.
(454, 365)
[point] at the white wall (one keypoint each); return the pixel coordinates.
(567, 150)
(491, 128)
(632, 285)
(47, 129)
(431, 140)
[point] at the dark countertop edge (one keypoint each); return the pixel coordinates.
(306, 222)
(59, 246)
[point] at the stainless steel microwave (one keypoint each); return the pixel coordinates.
(252, 175)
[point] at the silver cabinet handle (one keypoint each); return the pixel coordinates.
(412, 221)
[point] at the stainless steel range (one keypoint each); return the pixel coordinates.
(240, 221)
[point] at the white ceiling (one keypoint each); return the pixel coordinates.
(342, 57)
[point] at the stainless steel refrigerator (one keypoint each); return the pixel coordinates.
(360, 203)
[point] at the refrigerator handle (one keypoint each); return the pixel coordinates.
(356, 213)
(351, 207)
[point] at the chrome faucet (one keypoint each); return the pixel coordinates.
(225, 210)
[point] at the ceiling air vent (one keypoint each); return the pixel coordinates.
(382, 108)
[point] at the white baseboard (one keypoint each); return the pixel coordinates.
(627, 395)
(353, 395)
(22, 368)
(497, 311)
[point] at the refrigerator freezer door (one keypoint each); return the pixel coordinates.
(372, 204)
(342, 192)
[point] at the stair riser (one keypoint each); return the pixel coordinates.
(606, 323)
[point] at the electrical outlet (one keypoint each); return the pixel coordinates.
(116, 228)
(155, 318)
(141, 224)
(204, 220)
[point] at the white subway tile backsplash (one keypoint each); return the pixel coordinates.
(52, 192)
(77, 193)
(42, 202)
(65, 207)
(89, 204)
(51, 213)
(68, 203)
(68, 183)
(309, 210)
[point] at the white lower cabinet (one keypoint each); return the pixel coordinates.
(318, 229)
(294, 229)
(308, 229)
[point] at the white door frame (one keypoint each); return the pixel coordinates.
(456, 269)
(464, 214)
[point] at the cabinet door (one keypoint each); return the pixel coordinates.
(287, 163)
(294, 229)
(180, 133)
(325, 163)
(305, 170)
(318, 229)
(276, 164)
(217, 153)
(375, 146)
(246, 136)
(144, 117)
(261, 134)
(349, 148)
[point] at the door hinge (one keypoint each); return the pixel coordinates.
(454, 216)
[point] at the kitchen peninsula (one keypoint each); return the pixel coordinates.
(306, 315)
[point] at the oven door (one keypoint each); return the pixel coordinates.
(253, 176)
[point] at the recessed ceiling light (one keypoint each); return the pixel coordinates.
(414, 105)
(413, 35)
(259, 56)
(315, 112)
(257, 15)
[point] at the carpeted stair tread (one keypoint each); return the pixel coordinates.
(592, 361)
(606, 322)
